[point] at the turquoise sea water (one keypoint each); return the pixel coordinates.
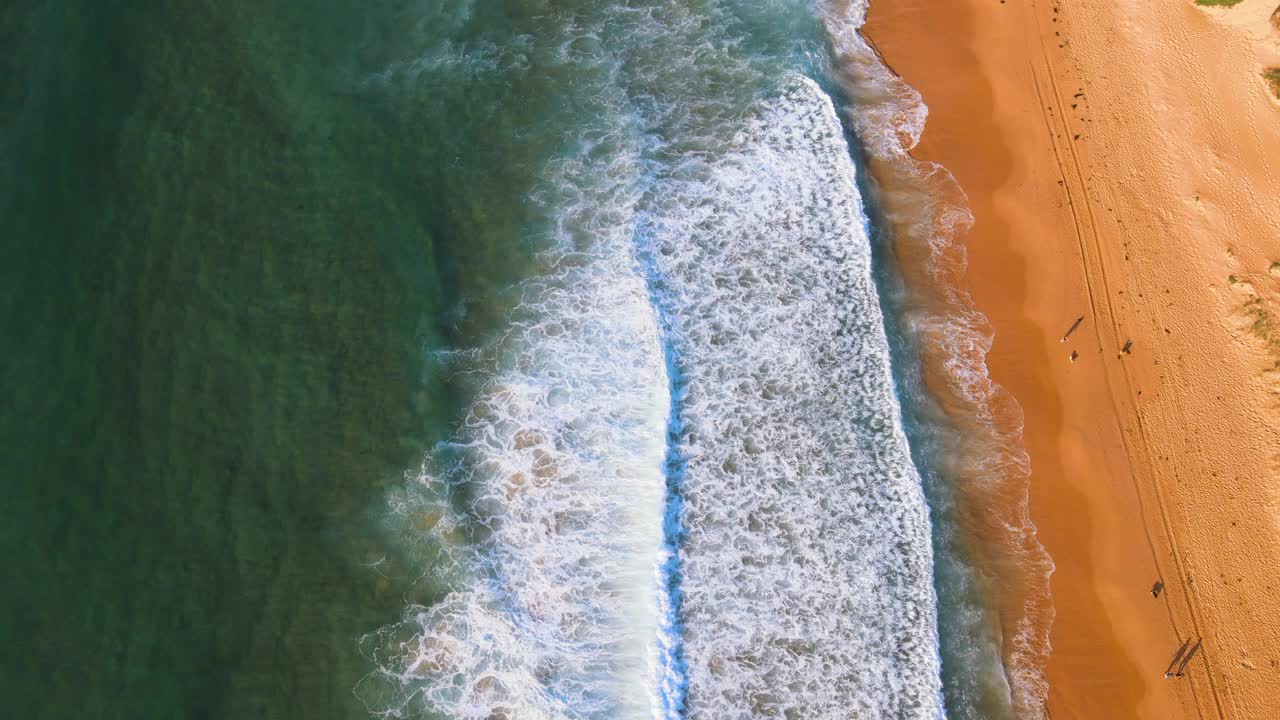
(354, 354)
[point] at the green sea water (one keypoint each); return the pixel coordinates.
(228, 252)
(247, 248)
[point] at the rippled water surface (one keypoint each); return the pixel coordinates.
(452, 359)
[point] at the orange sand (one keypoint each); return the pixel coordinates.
(1122, 161)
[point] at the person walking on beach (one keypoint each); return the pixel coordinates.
(1183, 667)
(1168, 673)
(1072, 329)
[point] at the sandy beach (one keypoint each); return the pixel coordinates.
(1122, 163)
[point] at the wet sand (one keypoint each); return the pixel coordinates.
(1120, 161)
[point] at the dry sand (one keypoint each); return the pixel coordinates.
(1122, 162)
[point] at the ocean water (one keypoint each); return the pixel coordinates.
(463, 359)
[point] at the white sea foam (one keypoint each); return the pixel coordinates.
(808, 577)
(561, 461)
(979, 454)
(728, 237)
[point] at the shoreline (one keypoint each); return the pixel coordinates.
(1103, 188)
(996, 643)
